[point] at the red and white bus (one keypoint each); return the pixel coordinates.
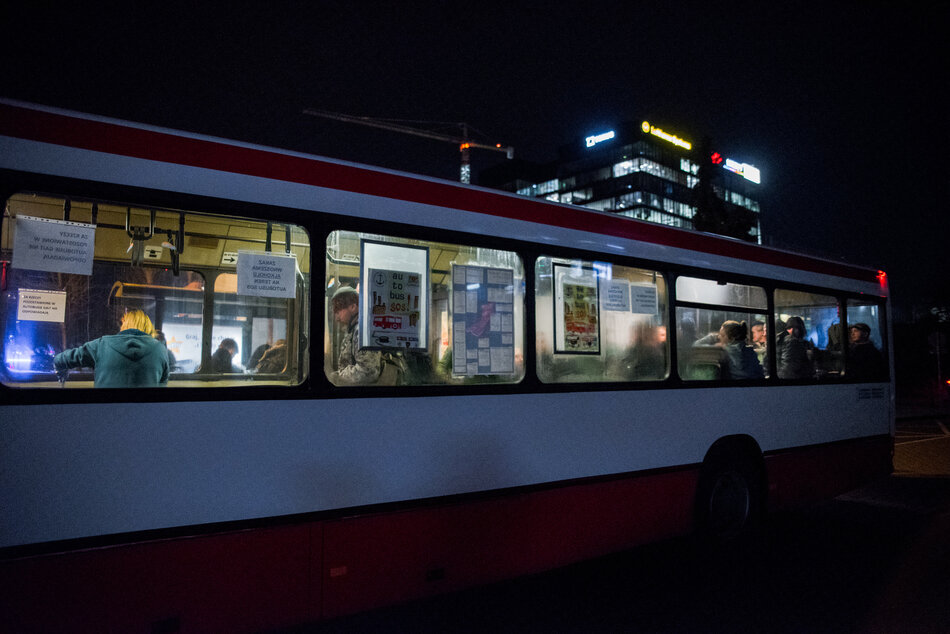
(548, 395)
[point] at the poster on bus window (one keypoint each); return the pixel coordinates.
(55, 246)
(483, 320)
(644, 299)
(394, 299)
(395, 308)
(41, 305)
(265, 274)
(615, 295)
(576, 310)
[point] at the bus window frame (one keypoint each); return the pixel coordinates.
(318, 225)
(771, 285)
(57, 187)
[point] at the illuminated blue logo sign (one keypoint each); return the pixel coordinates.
(599, 138)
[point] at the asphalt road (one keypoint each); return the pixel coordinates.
(873, 560)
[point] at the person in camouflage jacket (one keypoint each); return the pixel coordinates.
(354, 366)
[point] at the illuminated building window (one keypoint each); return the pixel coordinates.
(626, 167)
(688, 166)
(644, 173)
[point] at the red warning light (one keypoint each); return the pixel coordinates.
(882, 279)
(716, 158)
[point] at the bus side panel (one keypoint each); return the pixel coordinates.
(799, 476)
(383, 559)
(279, 577)
(233, 582)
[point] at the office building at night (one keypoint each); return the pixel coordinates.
(636, 170)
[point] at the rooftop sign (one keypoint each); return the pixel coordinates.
(594, 139)
(749, 172)
(666, 136)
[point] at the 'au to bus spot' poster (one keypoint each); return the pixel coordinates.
(483, 339)
(394, 308)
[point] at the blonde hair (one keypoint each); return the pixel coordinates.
(139, 320)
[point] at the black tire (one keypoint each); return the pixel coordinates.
(730, 498)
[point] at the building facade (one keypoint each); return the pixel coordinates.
(636, 170)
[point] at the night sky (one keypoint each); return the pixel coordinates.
(843, 109)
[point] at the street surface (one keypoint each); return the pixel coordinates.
(873, 560)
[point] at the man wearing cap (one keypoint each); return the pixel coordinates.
(865, 361)
(354, 366)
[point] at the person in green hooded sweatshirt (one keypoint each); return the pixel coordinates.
(131, 358)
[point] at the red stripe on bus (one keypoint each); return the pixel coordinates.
(100, 136)
(286, 575)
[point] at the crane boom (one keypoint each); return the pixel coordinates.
(463, 141)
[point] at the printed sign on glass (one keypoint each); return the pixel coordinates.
(395, 308)
(615, 295)
(40, 305)
(483, 339)
(55, 246)
(264, 274)
(394, 296)
(576, 310)
(643, 299)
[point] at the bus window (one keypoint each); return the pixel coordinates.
(597, 321)
(867, 356)
(808, 338)
(415, 312)
(178, 268)
(720, 330)
(247, 330)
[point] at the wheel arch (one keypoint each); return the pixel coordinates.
(739, 451)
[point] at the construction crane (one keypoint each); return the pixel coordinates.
(465, 144)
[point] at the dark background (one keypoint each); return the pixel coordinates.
(842, 107)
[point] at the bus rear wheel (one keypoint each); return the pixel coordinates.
(729, 504)
(730, 497)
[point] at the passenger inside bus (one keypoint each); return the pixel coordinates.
(865, 361)
(647, 358)
(793, 352)
(759, 338)
(172, 362)
(131, 358)
(255, 357)
(221, 359)
(737, 359)
(354, 366)
(274, 359)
